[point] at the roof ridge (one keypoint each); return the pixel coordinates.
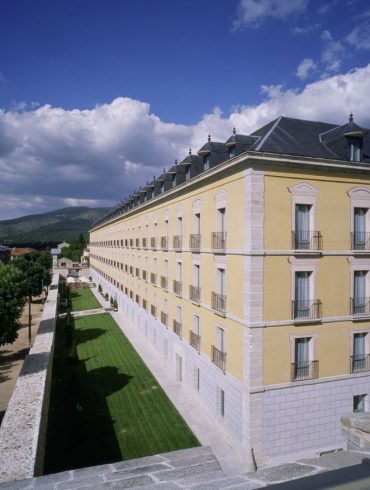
(267, 135)
(328, 131)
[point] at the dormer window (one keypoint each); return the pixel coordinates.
(174, 180)
(232, 152)
(206, 162)
(187, 173)
(162, 187)
(354, 149)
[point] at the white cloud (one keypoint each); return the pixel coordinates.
(254, 12)
(359, 37)
(52, 158)
(305, 67)
(2, 78)
(333, 53)
(306, 29)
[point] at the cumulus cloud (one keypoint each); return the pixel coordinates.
(52, 158)
(305, 67)
(359, 37)
(254, 12)
(332, 54)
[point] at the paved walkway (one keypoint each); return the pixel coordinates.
(199, 421)
(94, 311)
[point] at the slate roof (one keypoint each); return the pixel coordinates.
(284, 136)
(309, 139)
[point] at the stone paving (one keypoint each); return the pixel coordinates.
(198, 469)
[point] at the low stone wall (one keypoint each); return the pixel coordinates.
(23, 430)
(356, 430)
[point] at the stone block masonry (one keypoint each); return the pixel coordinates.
(23, 430)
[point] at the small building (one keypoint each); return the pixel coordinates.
(21, 252)
(55, 252)
(5, 254)
(65, 262)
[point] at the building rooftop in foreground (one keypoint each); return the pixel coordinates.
(282, 136)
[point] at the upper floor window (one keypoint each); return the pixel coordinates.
(360, 301)
(354, 149)
(187, 172)
(162, 186)
(232, 151)
(360, 237)
(173, 180)
(206, 162)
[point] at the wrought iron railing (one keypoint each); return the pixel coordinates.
(360, 240)
(194, 340)
(307, 240)
(177, 287)
(194, 293)
(177, 328)
(219, 240)
(360, 363)
(219, 302)
(360, 306)
(195, 241)
(306, 309)
(219, 358)
(304, 370)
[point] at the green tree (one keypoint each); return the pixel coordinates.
(12, 301)
(74, 251)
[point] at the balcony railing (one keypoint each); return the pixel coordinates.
(306, 309)
(306, 240)
(194, 293)
(219, 302)
(164, 317)
(360, 306)
(144, 242)
(304, 370)
(194, 241)
(153, 278)
(177, 242)
(164, 242)
(153, 310)
(219, 240)
(153, 242)
(194, 340)
(177, 328)
(177, 287)
(219, 358)
(164, 282)
(144, 275)
(360, 363)
(360, 240)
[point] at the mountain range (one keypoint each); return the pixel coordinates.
(49, 228)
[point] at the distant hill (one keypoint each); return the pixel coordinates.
(49, 228)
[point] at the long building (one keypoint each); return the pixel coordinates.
(247, 266)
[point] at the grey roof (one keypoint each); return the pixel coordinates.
(305, 138)
(243, 139)
(212, 146)
(189, 159)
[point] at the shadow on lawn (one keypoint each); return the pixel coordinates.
(80, 428)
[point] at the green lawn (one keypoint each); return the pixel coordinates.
(83, 299)
(107, 406)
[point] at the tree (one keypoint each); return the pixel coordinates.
(12, 301)
(75, 250)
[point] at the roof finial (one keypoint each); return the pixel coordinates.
(189, 151)
(234, 131)
(351, 117)
(209, 138)
(175, 161)
(164, 170)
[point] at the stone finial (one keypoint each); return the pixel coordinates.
(209, 138)
(351, 118)
(189, 151)
(234, 131)
(176, 161)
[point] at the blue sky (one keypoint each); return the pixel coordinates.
(97, 96)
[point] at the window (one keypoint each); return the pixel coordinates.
(302, 226)
(359, 403)
(179, 225)
(302, 295)
(359, 355)
(187, 173)
(197, 378)
(304, 367)
(232, 151)
(197, 223)
(354, 149)
(360, 303)
(162, 186)
(196, 275)
(222, 403)
(206, 162)
(360, 239)
(196, 325)
(173, 180)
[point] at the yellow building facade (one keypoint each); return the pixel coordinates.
(248, 268)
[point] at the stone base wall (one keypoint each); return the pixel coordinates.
(23, 430)
(305, 419)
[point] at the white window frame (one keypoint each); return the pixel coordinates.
(360, 198)
(217, 332)
(304, 193)
(311, 345)
(197, 324)
(304, 265)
